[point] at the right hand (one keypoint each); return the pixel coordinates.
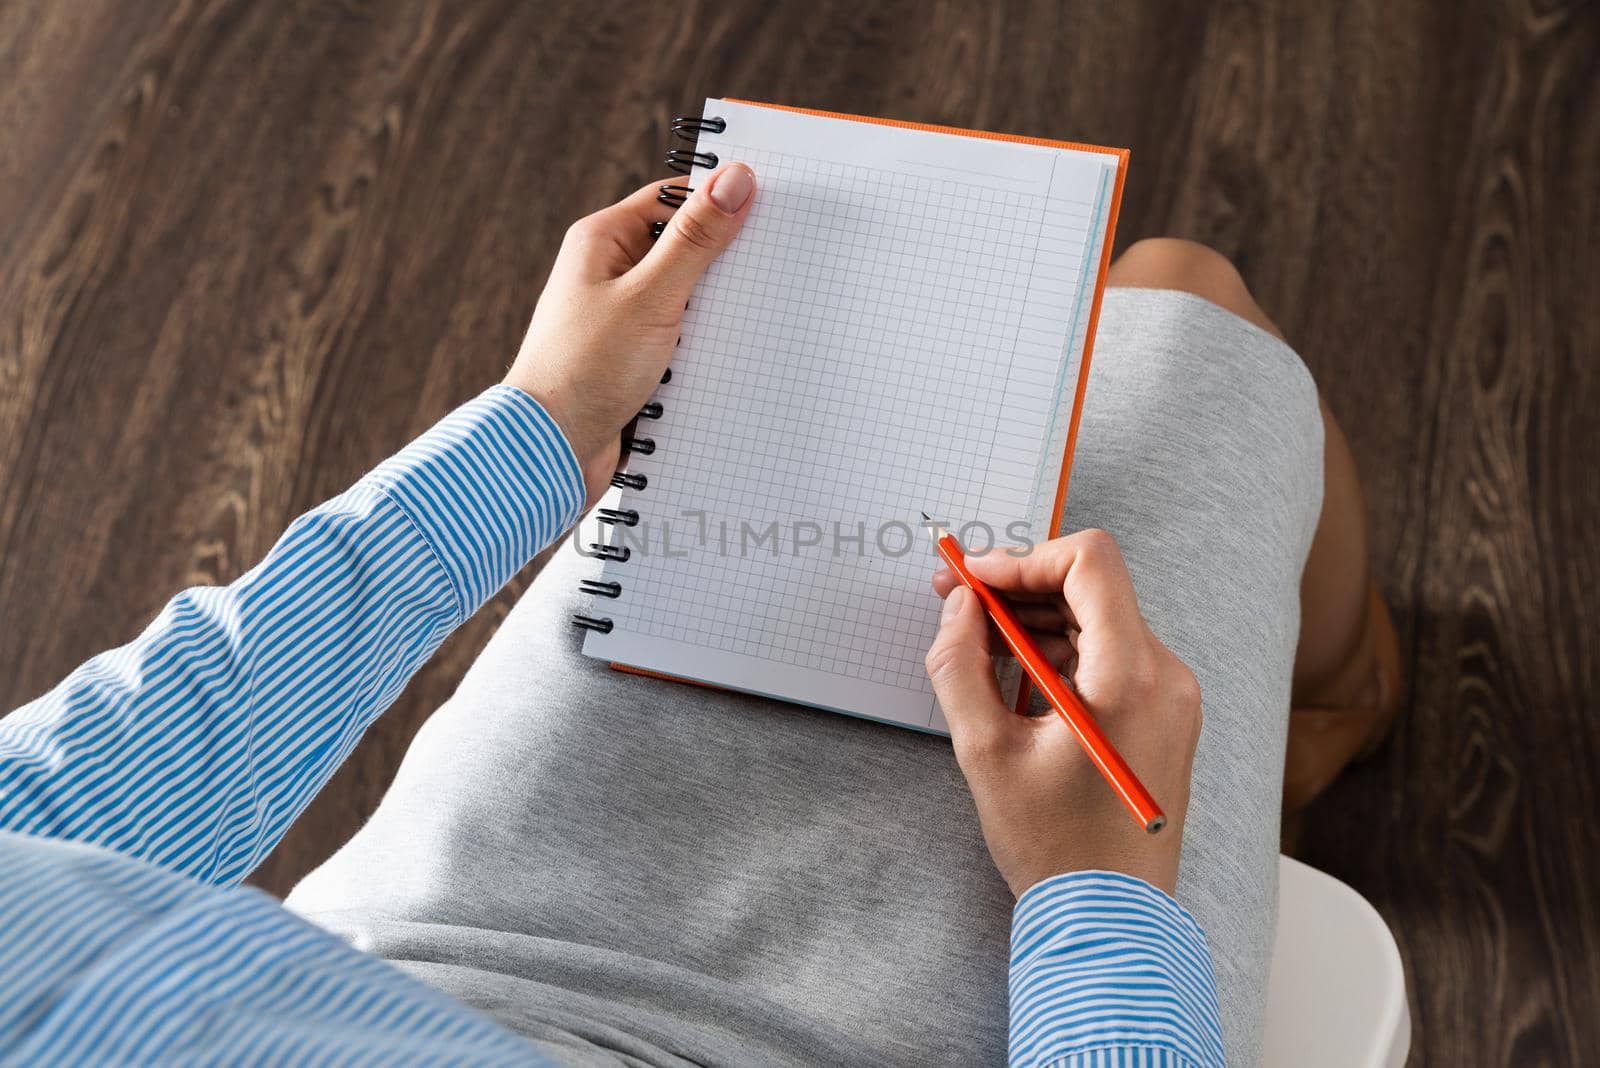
(1043, 806)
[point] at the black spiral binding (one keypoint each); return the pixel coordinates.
(673, 195)
(684, 160)
(625, 480)
(690, 127)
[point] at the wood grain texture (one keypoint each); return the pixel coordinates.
(248, 249)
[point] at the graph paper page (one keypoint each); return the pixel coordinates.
(897, 329)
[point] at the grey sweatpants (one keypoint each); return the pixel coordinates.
(631, 871)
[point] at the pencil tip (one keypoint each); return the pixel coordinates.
(927, 518)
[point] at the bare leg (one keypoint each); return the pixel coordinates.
(1346, 671)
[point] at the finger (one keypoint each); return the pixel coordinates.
(699, 231)
(944, 580)
(1046, 622)
(960, 665)
(1088, 570)
(612, 240)
(1043, 615)
(1041, 571)
(1057, 648)
(1038, 611)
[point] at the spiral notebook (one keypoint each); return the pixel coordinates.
(904, 325)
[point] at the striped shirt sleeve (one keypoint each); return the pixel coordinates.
(110, 960)
(1106, 970)
(195, 745)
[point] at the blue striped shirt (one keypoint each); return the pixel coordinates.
(137, 794)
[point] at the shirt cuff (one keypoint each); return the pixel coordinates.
(1106, 965)
(490, 485)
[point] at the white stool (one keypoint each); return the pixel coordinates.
(1336, 997)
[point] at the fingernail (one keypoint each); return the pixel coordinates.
(952, 604)
(732, 187)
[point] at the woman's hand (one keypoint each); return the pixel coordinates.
(608, 318)
(1043, 806)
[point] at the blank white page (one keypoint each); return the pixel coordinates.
(898, 328)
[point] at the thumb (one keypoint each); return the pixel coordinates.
(701, 229)
(960, 665)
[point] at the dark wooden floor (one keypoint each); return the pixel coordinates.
(246, 249)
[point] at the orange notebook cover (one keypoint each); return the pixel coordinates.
(825, 171)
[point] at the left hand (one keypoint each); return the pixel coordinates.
(608, 319)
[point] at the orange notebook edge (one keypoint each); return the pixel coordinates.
(1058, 507)
(647, 673)
(962, 131)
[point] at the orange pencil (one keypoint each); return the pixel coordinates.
(1048, 679)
